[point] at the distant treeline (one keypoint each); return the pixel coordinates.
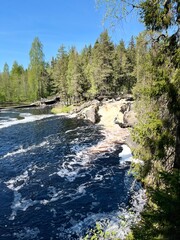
(102, 69)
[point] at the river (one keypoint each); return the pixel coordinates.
(50, 186)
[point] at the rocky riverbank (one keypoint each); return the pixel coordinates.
(114, 117)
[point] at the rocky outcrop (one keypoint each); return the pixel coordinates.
(130, 118)
(89, 111)
(125, 107)
(108, 113)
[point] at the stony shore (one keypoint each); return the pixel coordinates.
(113, 133)
(110, 115)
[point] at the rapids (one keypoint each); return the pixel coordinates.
(55, 183)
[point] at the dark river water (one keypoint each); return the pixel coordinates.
(50, 186)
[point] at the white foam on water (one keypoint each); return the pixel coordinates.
(73, 130)
(20, 203)
(79, 192)
(117, 222)
(127, 157)
(25, 114)
(81, 189)
(53, 195)
(28, 118)
(71, 167)
(22, 179)
(98, 177)
(81, 158)
(33, 168)
(69, 175)
(24, 150)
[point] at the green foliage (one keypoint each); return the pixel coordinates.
(123, 67)
(158, 109)
(62, 109)
(18, 80)
(104, 69)
(98, 233)
(130, 236)
(101, 67)
(161, 219)
(73, 77)
(36, 78)
(59, 68)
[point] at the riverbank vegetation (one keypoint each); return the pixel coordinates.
(149, 66)
(62, 109)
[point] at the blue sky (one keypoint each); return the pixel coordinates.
(55, 22)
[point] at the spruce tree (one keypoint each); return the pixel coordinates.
(5, 76)
(119, 69)
(59, 74)
(102, 65)
(74, 77)
(36, 68)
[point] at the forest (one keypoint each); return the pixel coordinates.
(148, 67)
(102, 69)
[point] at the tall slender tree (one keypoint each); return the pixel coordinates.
(60, 66)
(74, 76)
(17, 82)
(6, 82)
(102, 64)
(119, 68)
(37, 84)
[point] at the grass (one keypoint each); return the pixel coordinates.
(62, 109)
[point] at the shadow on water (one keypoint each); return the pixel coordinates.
(50, 186)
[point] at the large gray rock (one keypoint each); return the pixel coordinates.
(125, 107)
(89, 111)
(130, 118)
(91, 114)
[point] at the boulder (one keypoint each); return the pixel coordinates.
(124, 107)
(91, 114)
(130, 118)
(90, 111)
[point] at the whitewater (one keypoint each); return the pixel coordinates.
(60, 175)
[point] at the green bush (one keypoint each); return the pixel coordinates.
(62, 109)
